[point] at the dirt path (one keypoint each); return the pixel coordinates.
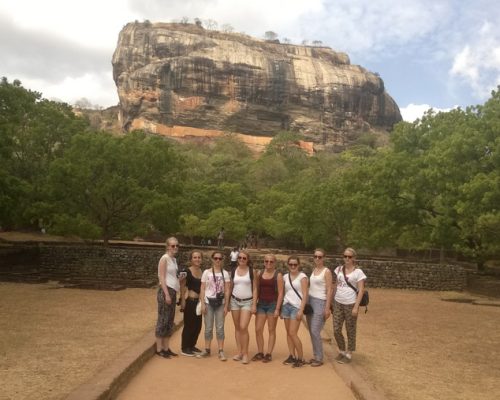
(188, 377)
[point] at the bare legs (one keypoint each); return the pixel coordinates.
(260, 321)
(294, 344)
(241, 319)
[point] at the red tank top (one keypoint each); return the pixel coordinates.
(267, 290)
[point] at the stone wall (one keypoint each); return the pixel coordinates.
(136, 265)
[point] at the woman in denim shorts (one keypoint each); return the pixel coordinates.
(243, 297)
(293, 310)
(270, 297)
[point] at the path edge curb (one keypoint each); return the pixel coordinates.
(110, 381)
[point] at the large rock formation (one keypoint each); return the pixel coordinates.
(181, 77)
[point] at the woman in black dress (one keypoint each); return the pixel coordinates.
(190, 295)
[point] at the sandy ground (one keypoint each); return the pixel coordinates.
(186, 378)
(52, 339)
(411, 345)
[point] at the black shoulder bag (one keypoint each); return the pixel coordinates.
(365, 300)
(219, 296)
(307, 308)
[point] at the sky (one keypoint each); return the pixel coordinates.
(430, 53)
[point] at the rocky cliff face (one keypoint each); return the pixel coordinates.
(171, 75)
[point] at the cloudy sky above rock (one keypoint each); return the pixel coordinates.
(430, 53)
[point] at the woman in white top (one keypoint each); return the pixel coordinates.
(292, 310)
(320, 297)
(243, 303)
(166, 297)
(346, 304)
(214, 293)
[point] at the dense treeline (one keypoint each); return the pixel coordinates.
(436, 185)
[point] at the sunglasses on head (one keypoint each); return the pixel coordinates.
(242, 258)
(347, 256)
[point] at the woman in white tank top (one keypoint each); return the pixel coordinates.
(243, 303)
(320, 297)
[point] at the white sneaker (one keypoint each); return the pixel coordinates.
(203, 354)
(222, 356)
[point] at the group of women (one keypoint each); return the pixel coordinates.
(268, 294)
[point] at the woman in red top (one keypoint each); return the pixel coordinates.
(270, 297)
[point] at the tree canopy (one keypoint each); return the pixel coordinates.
(435, 185)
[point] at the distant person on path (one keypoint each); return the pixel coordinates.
(269, 299)
(192, 322)
(234, 257)
(243, 303)
(220, 238)
(293, 310)
(346, 304)
(166, 297)
(214, 293)
(320, 297)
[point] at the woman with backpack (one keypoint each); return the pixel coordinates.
(294, 302)
(349, 279)
(269, 299)
(320, 297)
(214, 293)
(243, 303)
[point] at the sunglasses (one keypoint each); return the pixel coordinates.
(318, 257)
(346, 256)
(217, 258)
(293, 264)
(174, 245)
(242, 258)
(269, 261)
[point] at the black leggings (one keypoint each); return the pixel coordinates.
(192, 325)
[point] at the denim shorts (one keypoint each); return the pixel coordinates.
(240, 305)
(266, 307)
(288, 311)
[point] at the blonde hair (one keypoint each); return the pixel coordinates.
(320, 250)
(352, 251)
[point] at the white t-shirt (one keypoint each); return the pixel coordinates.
(170, 278)
(234, 255)
(290, 295)
(317, 288)
(242, 285)
(345, 294)
(213, 287)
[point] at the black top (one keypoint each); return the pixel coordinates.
(192, 283)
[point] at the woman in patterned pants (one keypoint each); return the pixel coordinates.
(346, 304)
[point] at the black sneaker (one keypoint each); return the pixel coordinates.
(298, 363)
(196, 350)
(187, 353)
(290, 360)
(162, 353)
(171, 353)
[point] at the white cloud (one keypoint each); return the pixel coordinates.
(99, 89)
(416, 111)
(477, 64)
(90, 23)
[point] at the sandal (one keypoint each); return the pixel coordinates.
(258, 357)
(267, 358)
(237, 357)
